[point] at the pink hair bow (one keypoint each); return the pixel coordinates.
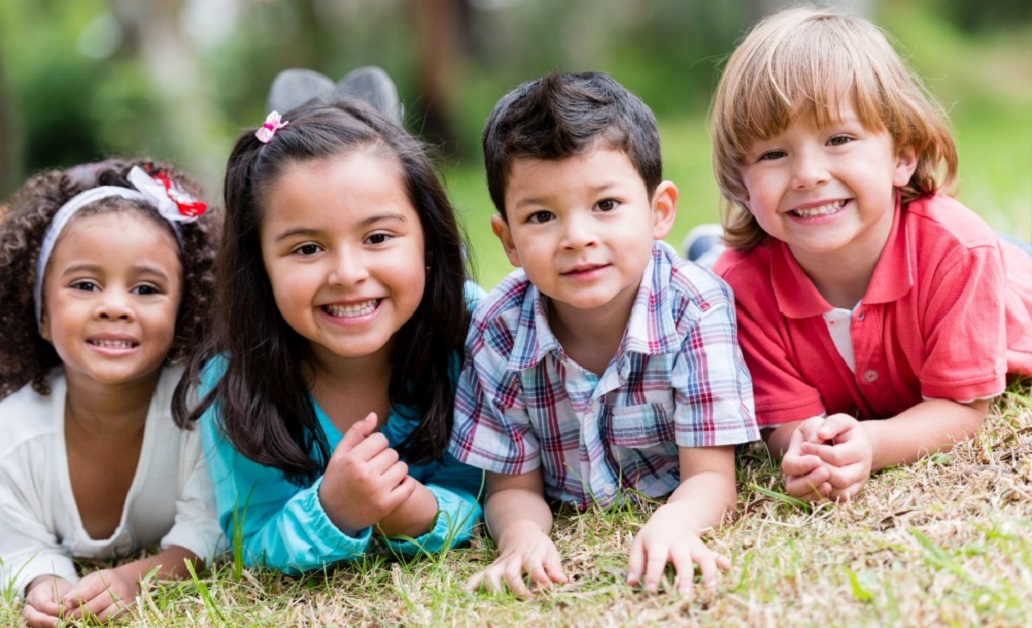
(269, 127)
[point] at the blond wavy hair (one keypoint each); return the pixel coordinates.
(807, 62)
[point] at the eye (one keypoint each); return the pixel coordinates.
(607, 205)
(839, 140)
(307, 250)
(378, 238)
(540, 217)
(86, 285)
(146, 290)
(771, 155)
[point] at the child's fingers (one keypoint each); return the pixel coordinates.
(35, 618)
(655, 566)
(358, 432)
(796, 464)
(514, 578)
(834, 426)
(811, 487)
(684, 566)
(474, 583)
(635, 562)
(554, 568)
(384, 460)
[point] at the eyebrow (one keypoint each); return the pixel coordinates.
(366, 222)
(141, 269)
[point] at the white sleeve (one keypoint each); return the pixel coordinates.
(196, 526)
(28, 549)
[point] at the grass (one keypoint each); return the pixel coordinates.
(946, 541)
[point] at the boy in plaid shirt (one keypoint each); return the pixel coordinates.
(605, 366)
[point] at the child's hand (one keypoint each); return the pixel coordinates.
(664, 540)
(101, 596)
(844, 446)
(42, 606)
(806, 475)
(525, 549)
(364, 479)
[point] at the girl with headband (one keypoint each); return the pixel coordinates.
(105, 276)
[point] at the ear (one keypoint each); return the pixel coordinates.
(906, 163)
(502, 232)
(664, 209)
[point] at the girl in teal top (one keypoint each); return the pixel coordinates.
(340, 318)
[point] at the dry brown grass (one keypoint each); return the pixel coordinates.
(945, 541)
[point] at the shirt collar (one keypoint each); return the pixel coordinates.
(650, 329)
(892, 278)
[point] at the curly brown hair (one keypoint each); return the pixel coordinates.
(25, 357)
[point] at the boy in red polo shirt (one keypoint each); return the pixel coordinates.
(862, 292)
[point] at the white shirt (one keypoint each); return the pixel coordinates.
(169, 502)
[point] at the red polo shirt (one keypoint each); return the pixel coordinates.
(947, 315)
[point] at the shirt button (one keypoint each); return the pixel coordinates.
(860, 316)
(870, 376)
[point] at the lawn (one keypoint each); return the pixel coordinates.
(944, 541)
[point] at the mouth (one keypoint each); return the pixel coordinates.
(819, 210)
(113, 344)
(353, 310)
(585, 268)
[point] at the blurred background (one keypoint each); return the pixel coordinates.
(179, 79)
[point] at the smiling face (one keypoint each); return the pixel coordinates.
(110, 297)
(343, 249)
(582, 227)
(827, 190)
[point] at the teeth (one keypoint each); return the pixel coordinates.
(349, 311)
(820, 210)
(113, 344)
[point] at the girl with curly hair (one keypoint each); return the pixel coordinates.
(105, 276)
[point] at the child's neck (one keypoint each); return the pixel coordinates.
(841, 277)
(104, 431)
(109, 411)
(348, 389)
(590, 338)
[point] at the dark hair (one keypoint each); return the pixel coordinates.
(25, 357)
(563, 114)
(263, 400)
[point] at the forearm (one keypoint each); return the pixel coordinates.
(170, 564)
(929, 426)
(413, 517)
(510, 508)
(702, 500)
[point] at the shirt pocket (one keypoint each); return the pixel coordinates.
(646, 426)
(641, 451)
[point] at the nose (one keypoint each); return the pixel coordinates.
(809, 170)
(578, 231)
(349, 268)
(114, 306)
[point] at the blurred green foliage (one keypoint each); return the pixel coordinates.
(178, 79)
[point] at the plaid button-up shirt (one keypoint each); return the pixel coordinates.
(677, 380)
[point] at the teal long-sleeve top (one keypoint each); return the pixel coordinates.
(284, 526)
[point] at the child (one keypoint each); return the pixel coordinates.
(862, 291)
(606, 365)
(106, 273)
(341, 316)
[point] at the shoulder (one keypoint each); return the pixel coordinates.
(503, 304)
(26, 415)
(680, 283)
(943, 220)
(743, 267)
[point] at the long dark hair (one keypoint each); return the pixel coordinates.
(263, 401)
